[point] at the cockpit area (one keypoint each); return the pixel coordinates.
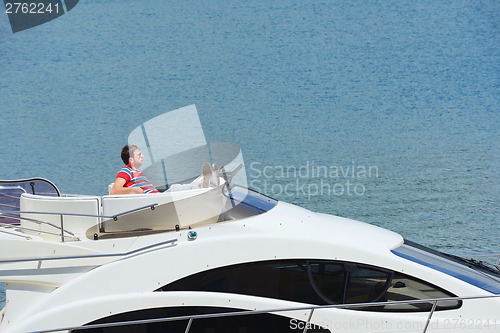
(36, 207)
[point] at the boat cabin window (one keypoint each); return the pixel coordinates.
(319, 282)
(252, 323)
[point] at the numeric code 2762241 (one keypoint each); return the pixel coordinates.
(32, 8)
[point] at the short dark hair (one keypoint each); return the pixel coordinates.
(126, 151)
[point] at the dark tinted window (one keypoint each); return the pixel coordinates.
(342, 283)
(287, 280)
(318, 282)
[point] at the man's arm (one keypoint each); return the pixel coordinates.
(118, 188)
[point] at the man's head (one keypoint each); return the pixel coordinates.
(132, 156)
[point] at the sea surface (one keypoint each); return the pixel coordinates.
(382, 111)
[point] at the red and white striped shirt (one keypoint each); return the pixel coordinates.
(135, 178)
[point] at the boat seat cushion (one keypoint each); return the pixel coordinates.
(89, 206)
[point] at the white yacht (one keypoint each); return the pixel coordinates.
(219, 259)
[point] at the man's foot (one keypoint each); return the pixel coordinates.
(214, 179)
(206, 174)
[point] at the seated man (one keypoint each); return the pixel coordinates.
(130, 180)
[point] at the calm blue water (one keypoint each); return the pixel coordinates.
(404, 95)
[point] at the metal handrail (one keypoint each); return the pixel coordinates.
(37, 222)
(6, 225)
(312, 308)
(63, 232)
(115, 216)
(13, 233)
(101, 255)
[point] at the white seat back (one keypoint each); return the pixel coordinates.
(181, 208)
(38, 204)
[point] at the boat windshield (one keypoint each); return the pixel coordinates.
(175, 148)
(472, 272)
(11, 191)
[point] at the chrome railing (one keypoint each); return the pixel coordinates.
(62, 232)
(307, 324)
(87, 256)
(6, 230)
